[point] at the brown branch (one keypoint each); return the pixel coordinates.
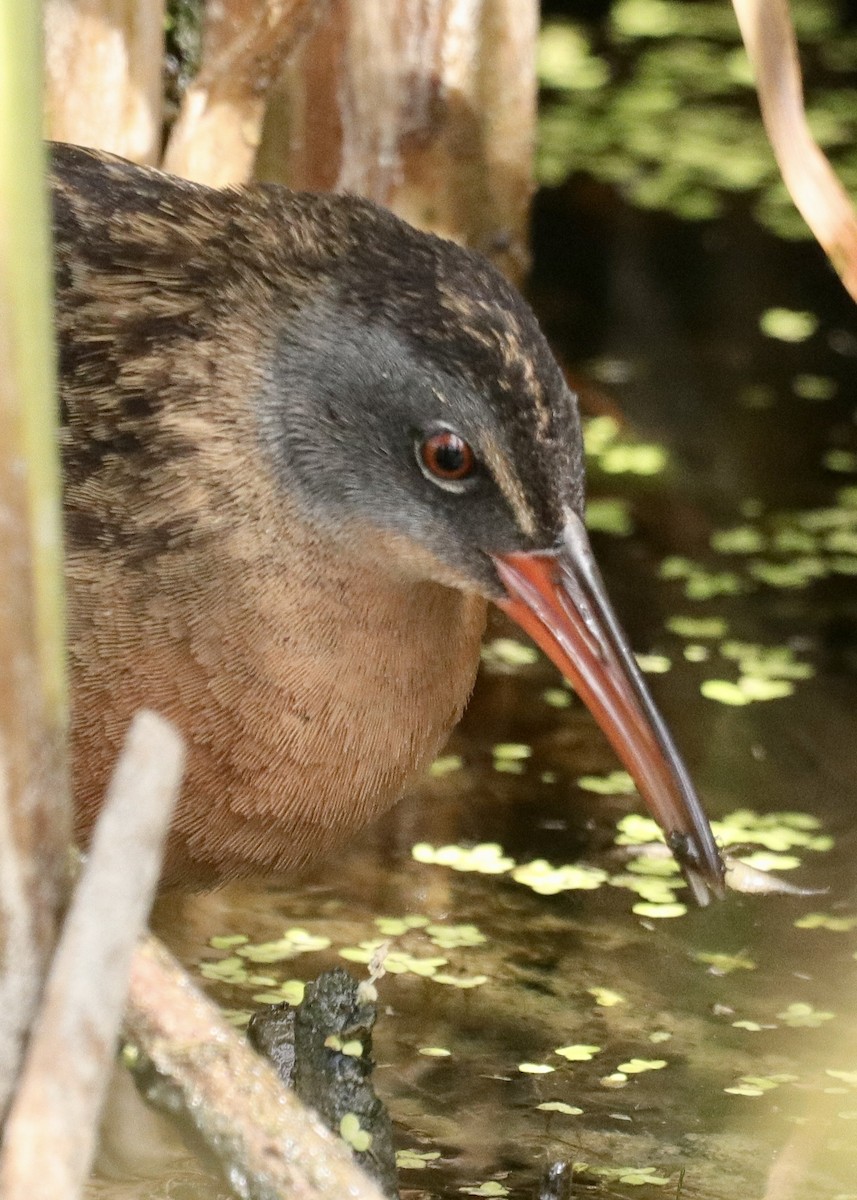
(768, 34)
(50, 1134)
(260, 1133)
(245, 44)
(104, 75)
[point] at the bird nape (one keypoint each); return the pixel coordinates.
(304, 446)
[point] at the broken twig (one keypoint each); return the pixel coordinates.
(50, 1135)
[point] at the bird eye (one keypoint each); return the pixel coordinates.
(446, 457)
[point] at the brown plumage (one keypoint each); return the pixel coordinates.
(256, 546)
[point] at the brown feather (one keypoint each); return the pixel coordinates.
(310, 682)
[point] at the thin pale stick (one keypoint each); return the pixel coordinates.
(768, 34)
(51, 1132)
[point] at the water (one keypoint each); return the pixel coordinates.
(668, 313)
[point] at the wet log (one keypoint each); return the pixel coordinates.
(104, 75)
(269, 1146)
(50, 1135)
(323, 1048)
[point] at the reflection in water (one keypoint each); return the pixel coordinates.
(723, 1042)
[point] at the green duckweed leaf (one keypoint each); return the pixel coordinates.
(697, 627)
(578, 1053)
(660, 912)
(788, 325)
(445, 765)
(605, 997)
(636, 1066)
(804, 1016)
(612, 516)
(616, 783)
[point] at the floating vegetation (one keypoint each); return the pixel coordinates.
(659, 911)
(745, 691)
(743, 539)
(766, 673)
(788, 325)
(777, 833)
(577, 1053)
(546, 880)
(639, 459)
(487, 858)
(653, 664)
(454, 937)
(605, 997)
(635, 1176)
(445, 765)
(758, 1085)
(434, 1051)
(636, 1066)
(725, 964)
(290, 945)
(559, 1106)
(843, 461)
(531, 1068)
(611, 450)
(814, 387)
(616, 783)
(351, 1131)
(510, 757)
(508, 652)
(700, 583)
(663, 115)
(490, 1188)
(609, 515)
(697, 627)
(827, 921)
(416, 1160)
(804, 1016)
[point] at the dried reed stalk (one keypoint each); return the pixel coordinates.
(34, 810)
(768, 33)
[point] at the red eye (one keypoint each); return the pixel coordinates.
(447, 456)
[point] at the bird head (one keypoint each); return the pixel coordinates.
(416, 410)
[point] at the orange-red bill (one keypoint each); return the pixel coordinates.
(559, 599)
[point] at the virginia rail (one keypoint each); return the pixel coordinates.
(304, 446)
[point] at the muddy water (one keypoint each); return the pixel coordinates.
(710, 1054)
(736, 1026)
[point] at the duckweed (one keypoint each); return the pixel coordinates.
(416, 1160)
(612, 516)
(804, 1016)
(636, 1066)
(605, 997)
(616, 783)
(788, 325)
(351, 1132)
(578, 1053)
